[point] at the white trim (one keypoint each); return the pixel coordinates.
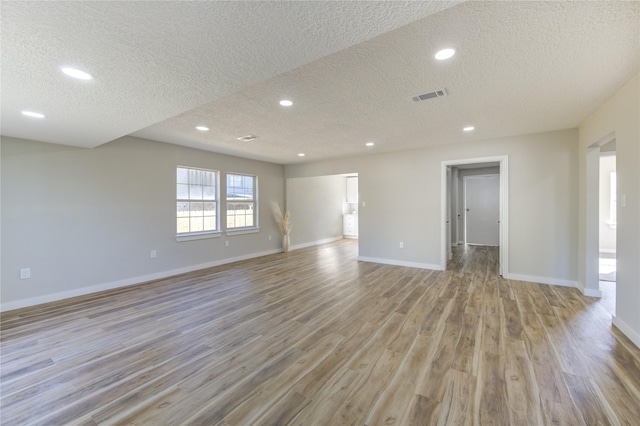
(400, 263)
(626, 330)
(198, 236)
(504, 207)
(315, 243)
(590, 292)
(241, 231)
(23, 303)
(542, 280)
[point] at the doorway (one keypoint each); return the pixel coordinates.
(482, 210)
(453, 215)
(607, 224)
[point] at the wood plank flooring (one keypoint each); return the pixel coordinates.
(316, 337)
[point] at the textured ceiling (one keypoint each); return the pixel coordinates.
(155, 60)
(350, 68)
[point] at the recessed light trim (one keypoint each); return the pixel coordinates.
(443, 54)
(369, 144)
(286, 103)
(202, 128)
(76, 73)
(302, 154)
(33, 114)
(468, 129)
(247, 138)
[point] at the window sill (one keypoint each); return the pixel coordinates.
(241, 231)
(198, 236)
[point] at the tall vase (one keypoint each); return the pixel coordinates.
(285, 243)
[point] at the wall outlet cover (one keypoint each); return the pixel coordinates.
(25, 273)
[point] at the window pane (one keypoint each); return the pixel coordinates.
(209, 179)
(195, 176)
(209, 209)
(183, 225)
(209, 192)
(182, 175)
(196, 209)
(183, 192)
(195, 192)
(182, 209)
(247, 182)
(196, 224)
(209, 223)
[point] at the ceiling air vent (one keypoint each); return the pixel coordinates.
(435, 94)
(247, 138)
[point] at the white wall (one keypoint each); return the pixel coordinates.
(621, 116)
(316, 206)
(607, 234)
(86, 219)
(402, 195)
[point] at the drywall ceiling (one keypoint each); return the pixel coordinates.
(154, 60)
(350, 68)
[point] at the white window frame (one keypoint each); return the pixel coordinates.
(196, 235)
(236, 230)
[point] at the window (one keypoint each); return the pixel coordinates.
(241, 201)
(197, 201)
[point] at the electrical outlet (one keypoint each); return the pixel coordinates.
(364, 204)
(401, 244)
(226, 243)
(25, 273)
(269, 237)
(154, 254)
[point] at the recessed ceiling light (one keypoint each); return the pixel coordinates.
(76, 73)
(369, 144)
(202, 128)
(247, 138)
(301, 154)
(286, 102)
(468, 129)
(445, 54)
(32, 114)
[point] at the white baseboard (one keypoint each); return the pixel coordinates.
(627, 330)
(592, 292)
(315, 243)
(542, 280)
(400, 263)
(23, 303)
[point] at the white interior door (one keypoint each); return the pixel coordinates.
(482, 210)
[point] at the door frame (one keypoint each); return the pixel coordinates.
(503, 161)
(464, 204)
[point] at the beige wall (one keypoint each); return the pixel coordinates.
(87, 219)
(402, 195)
(619, 116)
(316, 205)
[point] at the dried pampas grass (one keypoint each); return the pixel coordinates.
(284, 224)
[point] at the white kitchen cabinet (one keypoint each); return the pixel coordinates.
(352, 190)
(350, 226)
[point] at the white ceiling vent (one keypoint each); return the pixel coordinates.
(435, 94)
(247, 138)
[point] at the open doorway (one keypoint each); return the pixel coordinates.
(607, 224)
(478, 184)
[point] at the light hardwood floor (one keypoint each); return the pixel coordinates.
(315, 337)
